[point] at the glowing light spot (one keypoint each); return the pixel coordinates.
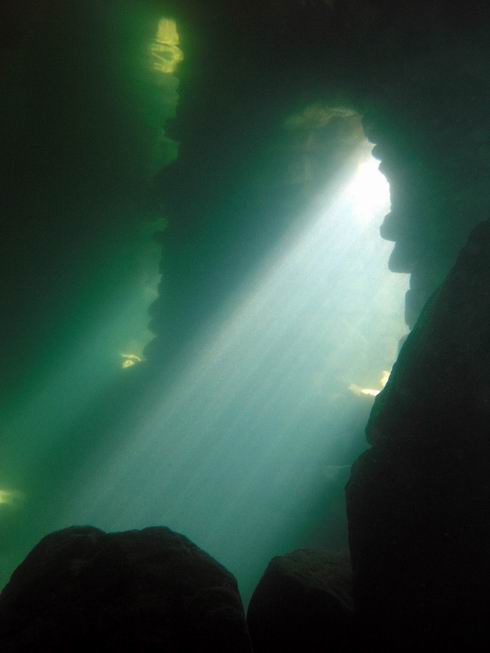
(370, 392)
(165, 50)
(359, 392)
(369, 191)
(384, 378)
(10, 498)
(129, 360)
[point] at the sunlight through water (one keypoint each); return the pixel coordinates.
(249, 449)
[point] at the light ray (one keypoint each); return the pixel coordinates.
(233, 451)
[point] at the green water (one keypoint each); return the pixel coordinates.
(244, 443)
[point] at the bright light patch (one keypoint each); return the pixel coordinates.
(384, 378)
(165, 50)
(10, 498)
(130, 360)
(370, 392)
(369, 191)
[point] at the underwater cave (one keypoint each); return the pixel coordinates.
(246, 282)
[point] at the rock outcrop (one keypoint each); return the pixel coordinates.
(81, 589)
(303, 603)
(432, 144)
(418, 500)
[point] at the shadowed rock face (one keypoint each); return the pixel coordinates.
(303, 603)
(418, 500)
(414, 70)
(430, 135)
(439, 390)
(81, 589)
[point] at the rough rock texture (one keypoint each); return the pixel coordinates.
(416, 70)
(303, 603)
(419, 499)
(81, 589)
(431, 136)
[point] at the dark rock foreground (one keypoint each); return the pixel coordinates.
(81, 589)
(419, 499)
(303, 603)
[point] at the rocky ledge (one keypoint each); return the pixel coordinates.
(419, 498)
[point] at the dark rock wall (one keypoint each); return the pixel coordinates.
(418, 499)
(433, 145)
(303, 602)
(83, 589)
(414, 70)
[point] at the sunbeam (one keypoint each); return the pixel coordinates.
(237, 449)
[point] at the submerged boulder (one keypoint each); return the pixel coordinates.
(303, 602)
(419, 499)
(81, 589)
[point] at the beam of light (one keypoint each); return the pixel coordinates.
(37, 432)
(369, 191)
(165, 51)
(235, 452)
(40, 419)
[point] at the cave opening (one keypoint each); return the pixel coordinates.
(264, 409)
(282, 321)
(216, 161)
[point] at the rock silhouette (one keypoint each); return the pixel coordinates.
(418, 499)
(86, 590)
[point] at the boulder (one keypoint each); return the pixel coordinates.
(81, 589)
(303, 603)
(419, 499)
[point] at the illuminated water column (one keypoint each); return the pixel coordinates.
(248, 437)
